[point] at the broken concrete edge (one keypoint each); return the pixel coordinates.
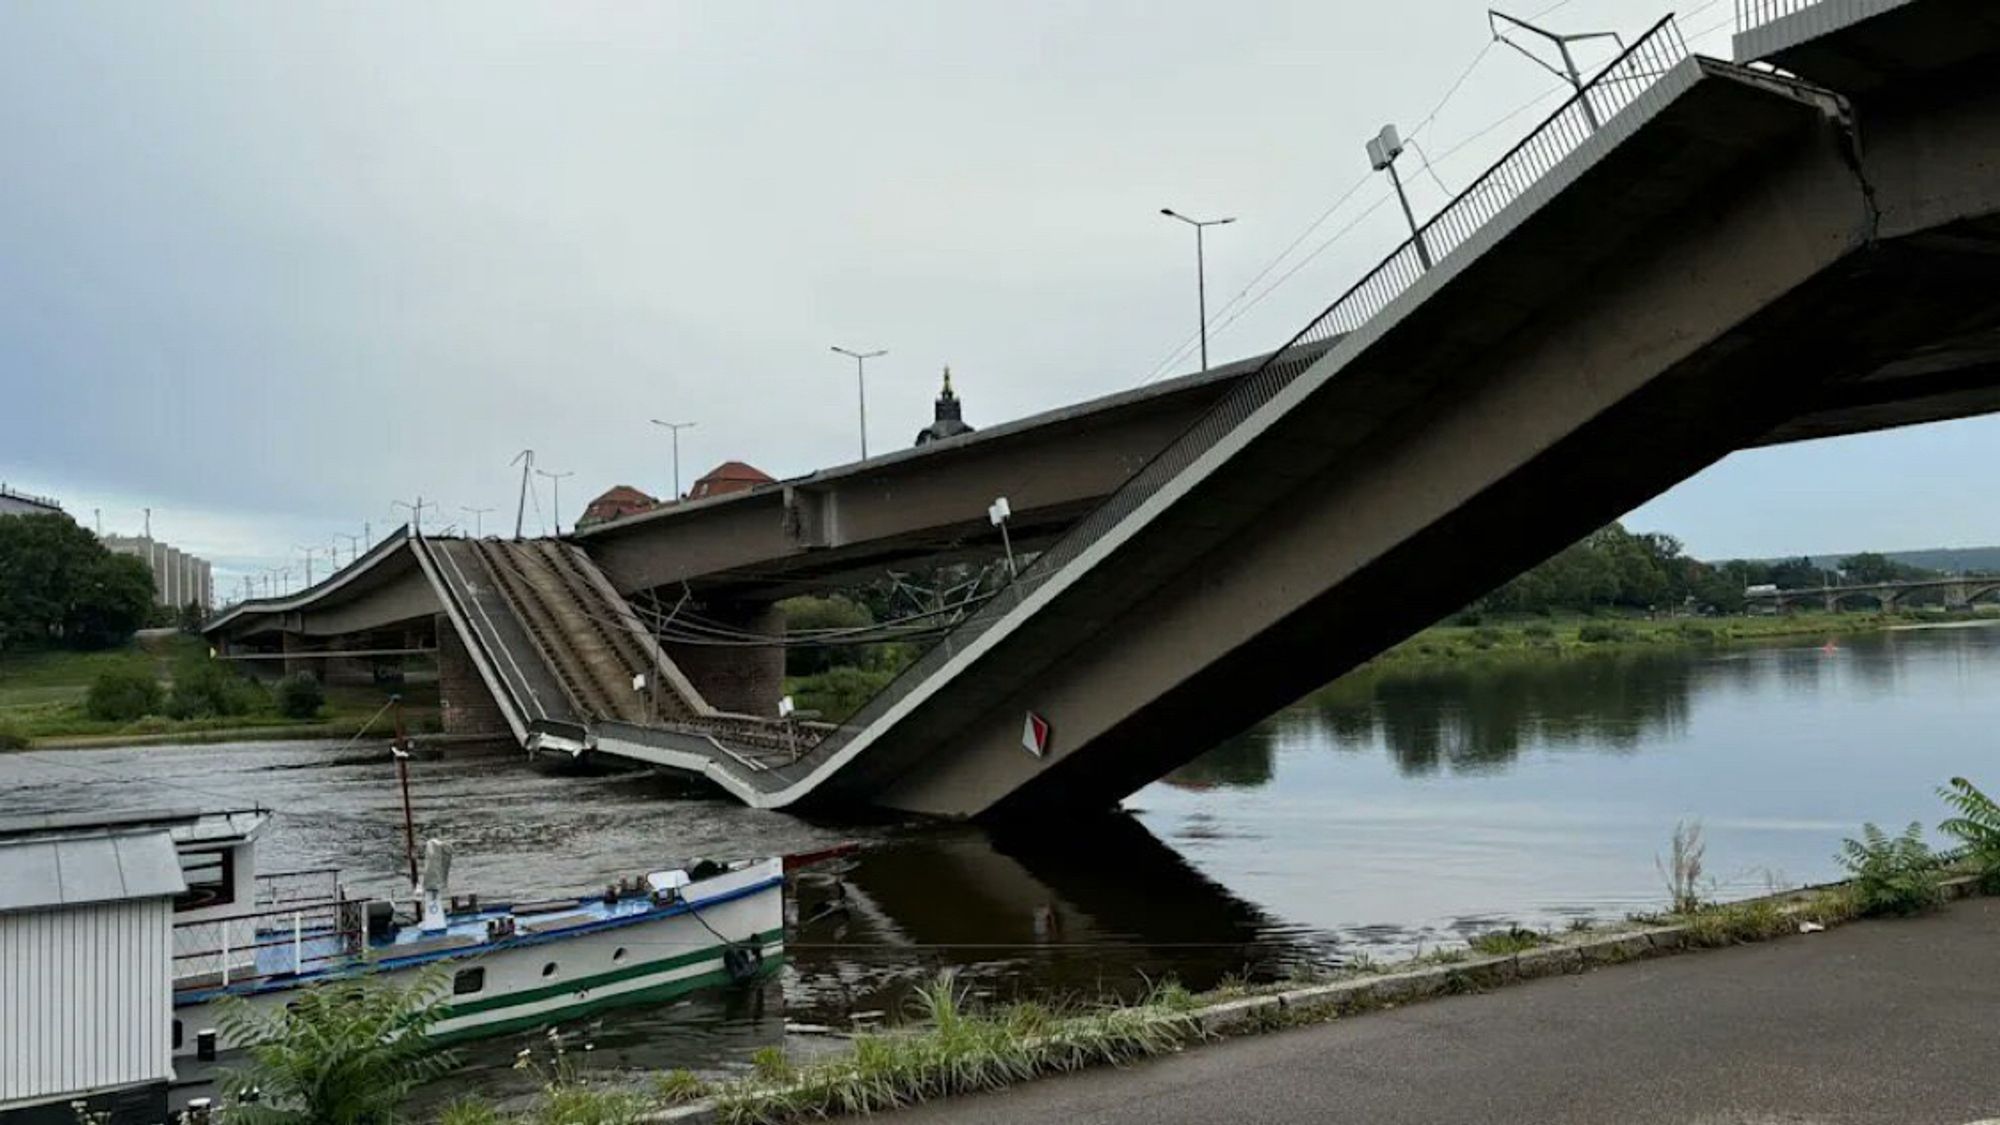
(1396, 986)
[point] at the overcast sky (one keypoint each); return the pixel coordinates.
(266, 268)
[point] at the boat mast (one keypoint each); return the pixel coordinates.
(400, 750)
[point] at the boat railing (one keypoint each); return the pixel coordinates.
(287, 888)
(277, 941)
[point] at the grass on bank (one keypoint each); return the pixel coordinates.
(45, 694)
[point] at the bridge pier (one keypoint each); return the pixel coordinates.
(741, 678)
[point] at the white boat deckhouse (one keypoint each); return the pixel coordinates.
(86, 991)
(119, 935)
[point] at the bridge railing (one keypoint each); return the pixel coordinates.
(1617, 86)
(1756, 13)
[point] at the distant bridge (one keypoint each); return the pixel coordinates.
(1959, 592)
(1688, 258)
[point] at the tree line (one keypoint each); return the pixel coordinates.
(60, 586)
(1613, 568)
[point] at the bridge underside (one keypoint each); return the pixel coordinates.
(1744, 268)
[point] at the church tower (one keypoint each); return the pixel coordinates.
(949, 422)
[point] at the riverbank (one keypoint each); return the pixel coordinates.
(962, 1047)
(1568, 636)
(1883, 1022)
(43, 693)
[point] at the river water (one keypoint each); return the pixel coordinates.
(1392, 811)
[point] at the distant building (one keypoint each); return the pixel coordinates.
(616, 502)
(86, 915)
(178, 577)
(14, 503)
(728, 477)
(948, 423)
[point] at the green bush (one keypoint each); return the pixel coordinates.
(1977, 826)
(1893, 875)
(300, 696)
(204, 688)
(342, 1053)
(1486, 636)
(11, 736)
(1538, 631)
(1602, 632)
(1468, 618)
(120, 695)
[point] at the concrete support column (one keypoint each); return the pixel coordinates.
(1954, 597)
(744, 679)
(464, 704)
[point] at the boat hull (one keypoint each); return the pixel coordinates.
(548, 978)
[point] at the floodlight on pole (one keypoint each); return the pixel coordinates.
(997, 513)
(1200, 272)
(861, 386)
(1383, 149)
(1568, 72)
(675, 428)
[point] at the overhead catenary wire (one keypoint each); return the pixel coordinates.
(1227, 314)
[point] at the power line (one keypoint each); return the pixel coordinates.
(1228, 314)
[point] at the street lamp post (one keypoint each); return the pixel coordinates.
(1200, 272)
(1383, 149)
(555, 494)
(478, 525)
(861, 387)
(675, 428)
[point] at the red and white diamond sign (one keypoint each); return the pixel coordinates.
(1035, 735)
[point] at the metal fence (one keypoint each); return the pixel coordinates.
(1619, 84)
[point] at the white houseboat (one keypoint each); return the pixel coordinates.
(512, 965)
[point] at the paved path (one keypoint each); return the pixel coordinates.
(1892, 1022)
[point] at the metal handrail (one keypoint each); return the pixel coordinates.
(1756, 13)
(1618, 85)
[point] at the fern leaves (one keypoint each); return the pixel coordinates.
(1977, 826)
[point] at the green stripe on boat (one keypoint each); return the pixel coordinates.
(599, 980)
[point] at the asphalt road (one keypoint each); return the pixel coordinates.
(1892, 1022)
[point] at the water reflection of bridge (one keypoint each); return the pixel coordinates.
(1103, 908)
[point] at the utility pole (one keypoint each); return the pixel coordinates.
(675, 428)
(353, 546)
(416, 512)
(1383, 149)
(861, 387)
(1569, 72)
(555, 497)
(475, 513)
(308, 552)
(526, 459)
(1200, 272)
